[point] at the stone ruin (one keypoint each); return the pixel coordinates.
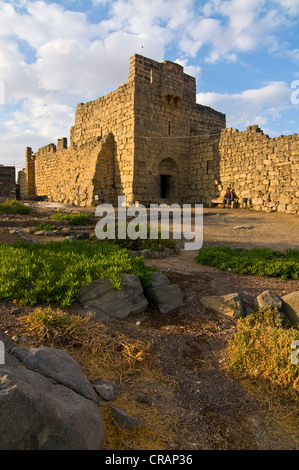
(7, 182)
(150, 141)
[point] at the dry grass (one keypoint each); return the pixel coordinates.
(260, 356)
(262, 349)
(102, 350)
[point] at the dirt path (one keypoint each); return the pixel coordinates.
(248, 229)
(218, 412)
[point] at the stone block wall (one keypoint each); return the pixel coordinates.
(110, 114)
(204, 169)
(262, 171)
(22, 182)
(77, 174)
(7, 182)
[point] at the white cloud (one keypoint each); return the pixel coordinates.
(291, 5)
(253, 106)
(100, 2)
(192, 70)
(51, 58)
(233, 26)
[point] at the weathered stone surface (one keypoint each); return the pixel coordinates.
(230, 304)
(268, 299)
(56, 364)
(39, 413)
(166, 296)
(260, 155)
(290, 305)
(123, 419)
(285, 199)
(108, 302)
(106, 390)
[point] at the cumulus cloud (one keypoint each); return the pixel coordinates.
(51, 57)
(193, 70)
(253, 106)
(230, 27)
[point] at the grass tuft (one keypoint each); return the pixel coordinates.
(138, 244)
(12, 206)
(261, 349)
(80, 218)
(44, 226)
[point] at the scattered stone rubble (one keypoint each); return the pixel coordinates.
(47, 403)
(233, 306)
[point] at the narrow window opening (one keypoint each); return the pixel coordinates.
(169, 127)
(152, 74)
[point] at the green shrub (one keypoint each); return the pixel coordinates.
(49, 318)
(12, 206)
(54, 272)
(81, 218)
(44, 226)
(259, 261)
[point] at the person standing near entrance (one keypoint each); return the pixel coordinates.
(228, 198)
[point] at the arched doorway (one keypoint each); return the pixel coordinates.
(168, 178)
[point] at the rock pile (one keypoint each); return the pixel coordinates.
(106, 302)
(233, 306)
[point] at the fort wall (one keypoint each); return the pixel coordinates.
(68, 176)
(110, 114)
(7, 182)
(263, 171)
(150, 141)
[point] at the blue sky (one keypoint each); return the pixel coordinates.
(55, 54)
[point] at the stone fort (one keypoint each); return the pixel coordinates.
(150, 141)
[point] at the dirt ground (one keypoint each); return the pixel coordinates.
(212, 410)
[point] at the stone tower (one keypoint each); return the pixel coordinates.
(166, 119)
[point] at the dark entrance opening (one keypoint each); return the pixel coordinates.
(166, 186)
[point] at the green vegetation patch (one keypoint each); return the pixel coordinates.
(44, 226)
(54, 272)
(81, 218)
(259, 261)
(12, 206)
